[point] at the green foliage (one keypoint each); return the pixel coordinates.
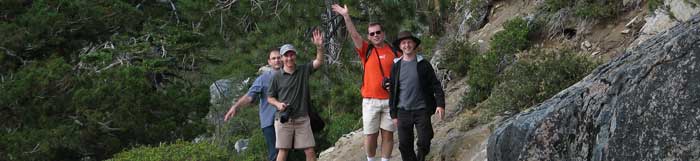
(482, 76)
(513, 38)
(597, 10)
(654, 4)
(459, 54)
(83, 80)
(537, 77)
(594, 9)
(484, 70)
(556, 5)
(180, 150)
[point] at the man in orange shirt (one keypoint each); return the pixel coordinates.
(377, 59)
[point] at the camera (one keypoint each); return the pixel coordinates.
(386, 83)
(284, 116)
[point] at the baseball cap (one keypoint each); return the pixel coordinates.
(286, 48)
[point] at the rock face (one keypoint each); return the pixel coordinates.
(643, 105)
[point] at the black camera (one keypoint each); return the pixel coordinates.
(284, 116)
(386, 83)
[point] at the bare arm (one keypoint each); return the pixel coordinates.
(243, 101)
(318, 41)
(343, 11)
(279, 105)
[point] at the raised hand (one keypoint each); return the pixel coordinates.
(318, 38)
(340, 10)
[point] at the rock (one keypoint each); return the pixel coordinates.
(625, 31)
(659, 22)
(642, 105)
(241, 145)
(682, 9)
(632, 22)
(473, 17)
(586, 46)
(595, 53)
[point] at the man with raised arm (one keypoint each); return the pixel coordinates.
(289, 92)
(376, 57)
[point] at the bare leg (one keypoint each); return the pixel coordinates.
(282, 154)
(371, 144)
(310, 154)
(387, 143)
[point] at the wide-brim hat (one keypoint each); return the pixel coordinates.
(405, 35)
(287, 48)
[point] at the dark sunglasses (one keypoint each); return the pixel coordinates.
(375, 33)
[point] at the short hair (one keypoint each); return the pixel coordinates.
(375, 24)
(273, 49)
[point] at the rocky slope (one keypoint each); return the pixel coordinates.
(642, 105)
(635, 28)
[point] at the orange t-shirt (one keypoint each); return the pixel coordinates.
(372, 84)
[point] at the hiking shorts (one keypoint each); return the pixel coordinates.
(296, 133)
(375, 115)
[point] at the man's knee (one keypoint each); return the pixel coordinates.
(309, 151)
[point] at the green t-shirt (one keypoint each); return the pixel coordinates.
(293, 89)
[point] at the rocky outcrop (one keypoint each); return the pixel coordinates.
(665, 17)
(643, 105)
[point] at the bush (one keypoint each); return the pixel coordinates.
(482, 76)
(458, 54)
(485, 69)
(533, 79)
(180, 150)
(513, 38)
(597, 10)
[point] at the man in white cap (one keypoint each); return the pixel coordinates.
(289, 92)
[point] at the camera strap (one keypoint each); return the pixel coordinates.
(381, 68)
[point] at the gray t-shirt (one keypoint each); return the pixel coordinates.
(410, 96)
(293, 89)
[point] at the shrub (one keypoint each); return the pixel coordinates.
(597, 10)
(485, 69)
(513, 38)
(458, 54)
(534, 79)
(482, 76)
(180, 150)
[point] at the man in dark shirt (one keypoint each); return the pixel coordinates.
(415, 95)
(289, 92)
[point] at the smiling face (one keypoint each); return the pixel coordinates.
(289, 59)
(408, 46)
(375, 34)
(275, 60)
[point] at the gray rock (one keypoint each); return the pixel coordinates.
(643, 105)
(241, 145)
(473, 15)
(682, 9)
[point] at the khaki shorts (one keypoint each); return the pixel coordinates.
(296, 132)
(375, 115)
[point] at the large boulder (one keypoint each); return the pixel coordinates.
(643, 105)
(665, 17)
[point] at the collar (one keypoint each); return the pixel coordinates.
(419, 58)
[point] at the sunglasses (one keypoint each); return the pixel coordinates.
(375, 33)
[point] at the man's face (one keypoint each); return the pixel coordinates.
(407, 46)
(289, 59)
(275, 60)
(375, 34)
